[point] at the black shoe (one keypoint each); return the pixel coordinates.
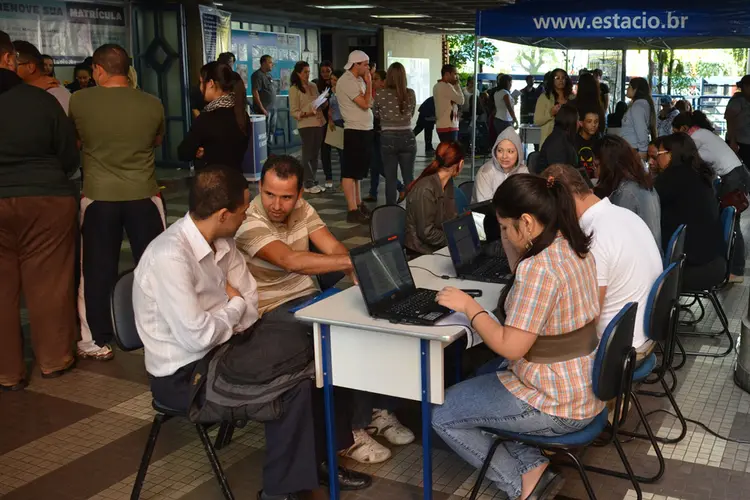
(349, 480)
(59, 373)
(357, 217)
(363, 208)
(370, 199)
(14, 388)
(548, 486)
(290, 496)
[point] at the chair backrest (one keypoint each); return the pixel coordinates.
(728, 215)
(387, 220)
(676, 247)
(662, 304)
(123, 316)
(467, 188)
(462, 201)
(531, 162)
(614, 348)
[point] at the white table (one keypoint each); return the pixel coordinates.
(359, 352)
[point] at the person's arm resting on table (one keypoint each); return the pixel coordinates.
(194, 328)
(524, 317)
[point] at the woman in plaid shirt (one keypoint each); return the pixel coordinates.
(536, 391)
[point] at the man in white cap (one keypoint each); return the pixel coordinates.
(354, 93)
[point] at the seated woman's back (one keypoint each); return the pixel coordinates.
(431, 201)
(687, 197)
(554, 292)
(560, 145)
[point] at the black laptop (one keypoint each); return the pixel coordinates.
(470, 261)
(388, 287)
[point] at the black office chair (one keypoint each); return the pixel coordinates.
(532, 161)
(467, 188)
(728, 216)
(612, 379)
(126, 336)
(387, 220)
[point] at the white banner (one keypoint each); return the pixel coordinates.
(68, 31)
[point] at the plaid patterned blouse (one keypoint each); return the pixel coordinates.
(555, 292)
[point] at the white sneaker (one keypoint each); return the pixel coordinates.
(313, 190)
(104, 353)
(322, 189)
(366, 450)
(329, 185)
(388, 426)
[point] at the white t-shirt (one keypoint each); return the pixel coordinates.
(627, 261)
(501, 109)
(62, 95)
(348, 88)
(714, 150)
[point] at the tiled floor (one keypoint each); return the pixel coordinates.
(81, 436)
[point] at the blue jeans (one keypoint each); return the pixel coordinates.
(398, 147)
(484, 401)
(376, 168)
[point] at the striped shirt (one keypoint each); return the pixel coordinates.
(555, 292)
(275, 285)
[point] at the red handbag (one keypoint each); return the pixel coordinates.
(736, 199)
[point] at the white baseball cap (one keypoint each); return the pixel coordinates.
(355, 57)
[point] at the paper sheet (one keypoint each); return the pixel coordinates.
(461, 319)
(318, 102)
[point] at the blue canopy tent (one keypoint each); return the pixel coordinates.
(622, 25)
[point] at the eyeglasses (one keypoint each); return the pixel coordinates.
(559, 77)
(659, 153)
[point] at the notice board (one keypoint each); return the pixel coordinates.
(284, 48)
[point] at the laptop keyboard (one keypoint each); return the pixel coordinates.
(417, 305)
(493, 267)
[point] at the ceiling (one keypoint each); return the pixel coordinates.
(445, 16)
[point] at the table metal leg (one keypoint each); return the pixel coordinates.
(426, 421)
(325, 343)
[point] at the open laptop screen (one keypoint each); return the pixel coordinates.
(463, 241)
(383, 272)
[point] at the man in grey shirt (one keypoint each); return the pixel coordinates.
(738, 120)
(264, 95)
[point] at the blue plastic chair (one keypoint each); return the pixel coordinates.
(612, 379)
(462, 201)
(727, 219)
(675, 250)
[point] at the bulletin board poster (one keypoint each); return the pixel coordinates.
(284, 48)
(68, 31)
(216, 26)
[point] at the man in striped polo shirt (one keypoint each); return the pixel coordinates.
(275, 240)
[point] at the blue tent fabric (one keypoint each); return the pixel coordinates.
(619, 25)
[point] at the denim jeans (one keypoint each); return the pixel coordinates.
(399, 147)
(451, 136)
(485, 402)
(376, 166)
(312, 137)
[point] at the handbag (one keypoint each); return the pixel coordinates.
(335, 137)
(736, 199)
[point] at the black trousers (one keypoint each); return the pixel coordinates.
(101, 232)
(295, 443)
(428, 126)
(451, 136)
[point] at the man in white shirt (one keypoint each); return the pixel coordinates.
(31, 71)
(627, 258)
(448, 98)
(354, 94)
(192, 293)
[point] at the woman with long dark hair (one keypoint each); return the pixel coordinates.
(687, 196)
(323, 82)
(589, 98)
(554, 293)
(310, 122)
(558, 90)
(726, 165)
(560, 145)
(639, 122)
(625, 182)
(394, 106)
(219, 135)
(430, 200)
(505, 115)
